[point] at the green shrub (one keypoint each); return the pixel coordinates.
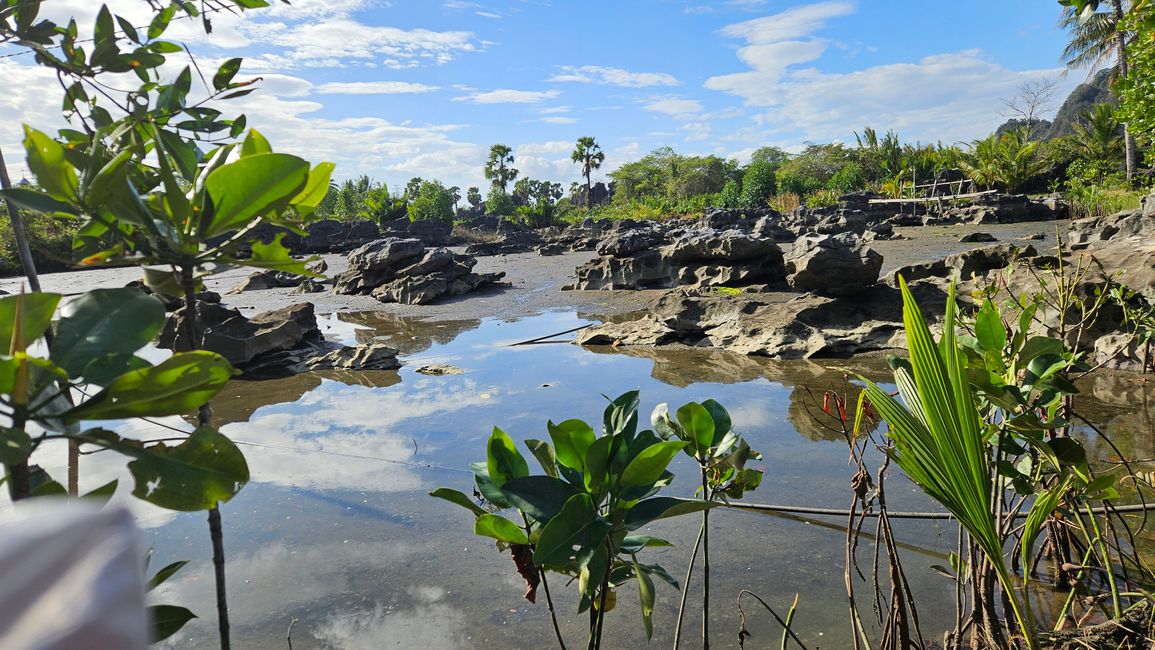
(731, 195)
(433, 202)
(758, 185)
(822, 199)
(497, 202)
(50, 240)
(848, 179)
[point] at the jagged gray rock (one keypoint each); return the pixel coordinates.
(832, 265)
(402, 270)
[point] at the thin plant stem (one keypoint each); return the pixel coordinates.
(686, 585)
(706, 563)
(204, 417)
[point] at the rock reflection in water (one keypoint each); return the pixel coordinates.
(408, 335)
(807, 379)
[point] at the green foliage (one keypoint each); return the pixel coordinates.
(664, 175)
(498, 203)
(773, 156)
(850, 178)
(473, 197)
(499, 169)
(1136, 98)
(1009, 162)
(758, 185)
(731, 195)
(579, 517)
(822, 199)
(432, 201)
(588, 153)
(49, 238)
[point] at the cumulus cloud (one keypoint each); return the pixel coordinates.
(594, 74)
(505, 96)
(949, 96)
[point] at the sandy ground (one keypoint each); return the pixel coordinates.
(535, 281)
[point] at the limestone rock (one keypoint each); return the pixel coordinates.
(832, 265)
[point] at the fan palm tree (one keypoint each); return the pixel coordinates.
(498, 169)
(1095, 137)
(1097, 38)
(589, 154)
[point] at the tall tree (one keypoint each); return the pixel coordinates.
(499, 168)
(1096, 38)
(588, 153)
(473, 197)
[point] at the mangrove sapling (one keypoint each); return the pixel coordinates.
(721, 455)
(92, 356)
(142, 181)
(579, 517)
(976, 431)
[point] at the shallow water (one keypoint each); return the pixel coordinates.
(337, 533)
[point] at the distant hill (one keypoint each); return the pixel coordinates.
(1095, 91)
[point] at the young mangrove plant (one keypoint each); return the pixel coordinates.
(581, 516)
(981, 429)
(721, 455)
(143, 173)
(88, 375)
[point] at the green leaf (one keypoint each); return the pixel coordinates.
(103, 322)
(103, 493)
(577, 525)
(721, 417)
(503, 460)
(647, 467)
(544, 454)
(698, 425)
(177, 386)
(460, 498)
(621, 416)
(15, 446)
(276, 257)
(315, 189)
(499, 528)
(634, 543)
(167, 620)
(200, 472)
(646, 598)
(225, 73)
(571, 440)
(251, 187)
(597, 462)
(37, 201)
(35, 311)
(254, 144)
(989, 329)
(164, 574)
(541, 497)
(656, 508)
(52, 170)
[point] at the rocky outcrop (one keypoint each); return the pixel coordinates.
(658, 256)
(262, 280)
(429, 232)
(806, 326)
(966, 265)
(404, 271)
(275, 343)
(835, 265)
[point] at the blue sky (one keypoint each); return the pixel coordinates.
(396, 89)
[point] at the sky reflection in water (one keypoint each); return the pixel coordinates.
(336, 530)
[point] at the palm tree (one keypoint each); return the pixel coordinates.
(589, 153)
(1096, 137)
(498, 169)
(1098, 37)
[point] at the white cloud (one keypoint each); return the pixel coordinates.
(679, 107)
(555, 110)
(556, 119)
(789, 24)
(769, 63)
(505, 96)
(595, 74)
(330, 42)
(375, 88)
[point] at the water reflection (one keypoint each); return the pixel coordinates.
(336, 529)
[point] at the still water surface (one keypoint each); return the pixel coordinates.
(337, 533)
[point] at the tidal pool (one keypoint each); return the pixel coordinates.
(336, 537)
